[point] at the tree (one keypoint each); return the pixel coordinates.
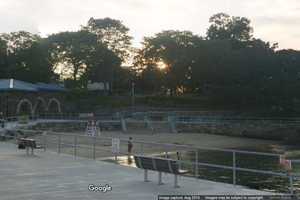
(102, 65)
(113, 33)
(25, 57)
(173, 50)
(18, 41)
(223, 26)
(78, 56)
(151, 79)
(40, 68)
(3, 58)
(69, 52)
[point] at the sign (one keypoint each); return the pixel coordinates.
(115, 145)
(92, 129)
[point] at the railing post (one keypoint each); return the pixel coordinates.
(59, 143)
(142, 148)
(123, 124)
(94, 148)
(15, 137)
(234, 167)
(75, 146)
(291, 184)
(45, 140)
(116, 157)
(160, 178)
(196, 166)
(146, 175)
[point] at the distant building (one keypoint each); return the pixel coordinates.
(98, 86)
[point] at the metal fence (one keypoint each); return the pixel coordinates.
(174, 118)
(101, 148)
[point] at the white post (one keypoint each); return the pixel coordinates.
(58, 146)
(75, 146)
(45, 140)
(146, 175)
(176, 181)
(123, 124)
(159, 179)
(197, 166)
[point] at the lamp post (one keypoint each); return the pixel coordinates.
(6, 106)
(132, 94)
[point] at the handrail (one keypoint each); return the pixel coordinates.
(188, 147)
(166, 147)
(178, 114)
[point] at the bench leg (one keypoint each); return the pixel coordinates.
(31, 151)
(27, 151)
(160, 179)
(146, 175)
(176, 181)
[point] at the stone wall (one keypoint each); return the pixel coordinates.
(30, 103)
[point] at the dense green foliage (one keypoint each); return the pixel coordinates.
(227, 65)
(74, 57)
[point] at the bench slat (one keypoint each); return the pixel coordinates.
(158, 164)
(28, 142)
(146, 163)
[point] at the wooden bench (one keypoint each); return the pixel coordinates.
(28, 144)
(160, 165)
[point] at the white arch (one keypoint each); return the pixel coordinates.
(44, 104)
(24, 101)
(57, 103)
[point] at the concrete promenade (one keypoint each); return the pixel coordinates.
(48, 175)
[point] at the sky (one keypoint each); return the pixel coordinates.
(273, 20)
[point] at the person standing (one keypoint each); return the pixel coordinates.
(130, 146)
(178, 155)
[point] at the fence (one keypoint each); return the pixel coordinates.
(171, 122)
(100, 148)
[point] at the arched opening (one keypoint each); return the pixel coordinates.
(54, 106)
(24, 107)
(40, 106)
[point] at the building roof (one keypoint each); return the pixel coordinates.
(16, 85)
(50, 87)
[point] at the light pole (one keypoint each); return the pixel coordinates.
(6, 109)
(132, 94)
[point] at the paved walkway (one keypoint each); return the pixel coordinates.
(48, 175)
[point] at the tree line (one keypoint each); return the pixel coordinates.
(227, 64)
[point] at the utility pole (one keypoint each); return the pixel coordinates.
(132, 94)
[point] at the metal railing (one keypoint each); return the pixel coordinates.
(74, 144)
(180, 116)
(171, 120)
(100, 147)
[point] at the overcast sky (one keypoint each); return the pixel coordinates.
(273, 20)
